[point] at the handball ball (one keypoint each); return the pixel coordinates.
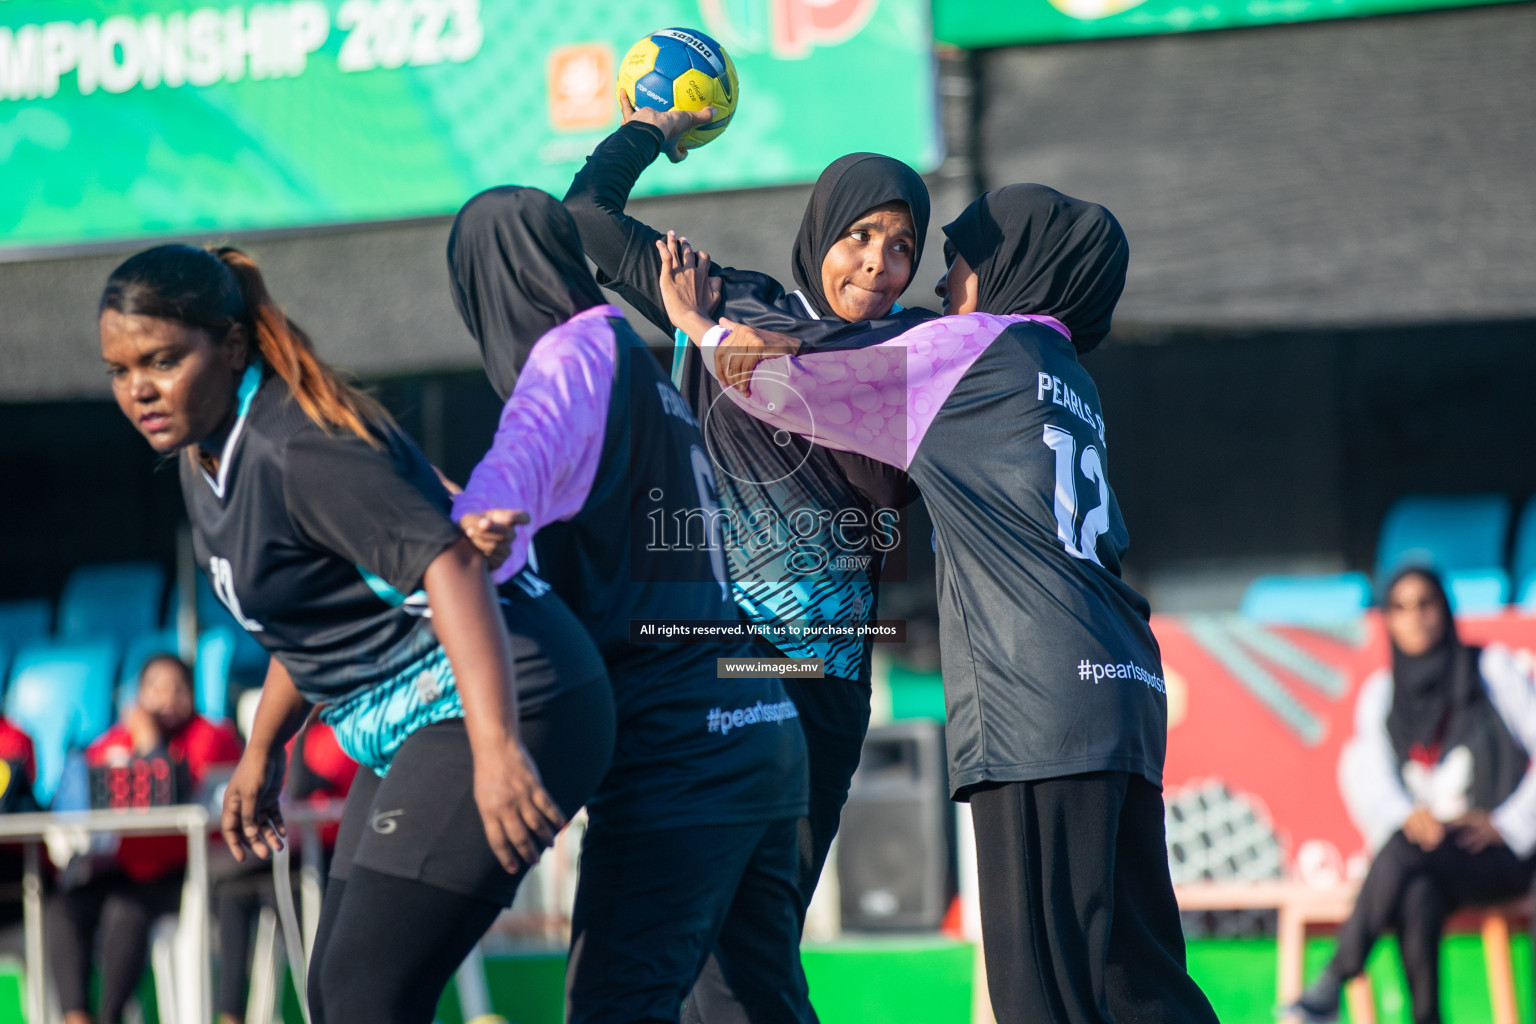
(682, 69)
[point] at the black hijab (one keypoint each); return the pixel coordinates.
(517, 270)
(1428, 688)
(850, 187)
(1035, 250)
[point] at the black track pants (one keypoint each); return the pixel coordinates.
(1078, 918)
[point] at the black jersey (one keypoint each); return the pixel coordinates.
(1050, 666)
(605, 457)
(317, 543)
(807, 528)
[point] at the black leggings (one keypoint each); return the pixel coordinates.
(1078, 918)
(414, 884)
(835, 716)
(124, 910)
(387, 947)
(650, 907)
(1413, 890)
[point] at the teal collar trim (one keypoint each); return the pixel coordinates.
(245, 394)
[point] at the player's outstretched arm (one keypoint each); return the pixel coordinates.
(252, 819)
(621, 246)
(541, 465)
(519, 815)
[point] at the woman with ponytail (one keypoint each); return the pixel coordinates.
(327, 534)
(282, 344)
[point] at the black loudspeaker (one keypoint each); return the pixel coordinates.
(893, 849)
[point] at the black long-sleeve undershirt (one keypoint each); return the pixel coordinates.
(624, 251)
(624, 248)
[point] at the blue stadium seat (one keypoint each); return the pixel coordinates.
(249, 659)
(118, 601)
(1307, 600)
(21, 622)
(60, 695)
(215, 656)
(1458, 534)
(140, 649)
(1522, 563)
(1474, 592)
(210, 610)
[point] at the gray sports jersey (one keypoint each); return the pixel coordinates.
(317, 543)
(1050, 667)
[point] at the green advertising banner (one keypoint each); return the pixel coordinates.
(977, 24)
(125, 119)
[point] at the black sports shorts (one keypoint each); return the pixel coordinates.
(421, 822)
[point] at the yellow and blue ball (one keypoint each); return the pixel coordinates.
(682, 69)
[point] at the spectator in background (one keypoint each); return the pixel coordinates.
(1438, 779)
(318, 770)
(18, 771)
(143, 879)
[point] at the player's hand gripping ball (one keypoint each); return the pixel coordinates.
(681, 69)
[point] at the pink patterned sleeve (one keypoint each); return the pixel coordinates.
(544, 458)
(877, 401)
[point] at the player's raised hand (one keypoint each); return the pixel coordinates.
(738, 355)
(672, 123)
(688, 291)
(492, 532)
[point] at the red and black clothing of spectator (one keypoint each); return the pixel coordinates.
(18, 771)
(144, 879)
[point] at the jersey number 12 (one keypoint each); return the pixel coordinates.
(1080, 542)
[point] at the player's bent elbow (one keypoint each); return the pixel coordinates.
(457, 560)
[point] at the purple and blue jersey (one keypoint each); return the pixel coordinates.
(608, 461)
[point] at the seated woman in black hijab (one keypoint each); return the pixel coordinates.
(1056, 714)
(831, 515)
(1437, 777)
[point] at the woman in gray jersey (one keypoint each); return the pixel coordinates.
(1056, 714)
(326, 533)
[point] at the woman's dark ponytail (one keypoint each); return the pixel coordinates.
(320, 391)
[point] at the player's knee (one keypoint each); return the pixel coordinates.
(346, 990)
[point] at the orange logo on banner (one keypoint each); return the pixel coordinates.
(581, 95)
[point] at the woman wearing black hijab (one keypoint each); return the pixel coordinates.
(691, 847)
(1034, 250)
(833, 515)
(1438, 780)
(1056, 718)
